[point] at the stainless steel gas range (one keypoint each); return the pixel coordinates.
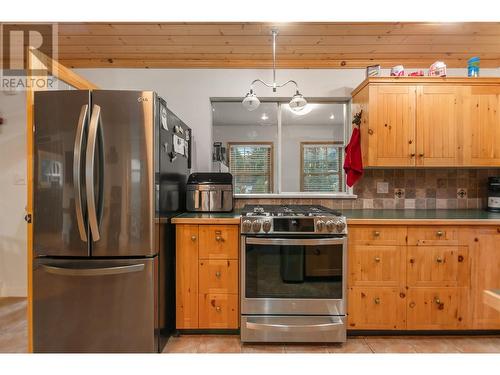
(293, 274)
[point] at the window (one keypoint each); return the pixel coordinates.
(252, 167)
(321, 167)
(275, 150)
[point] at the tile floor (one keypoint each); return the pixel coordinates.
(14, 338)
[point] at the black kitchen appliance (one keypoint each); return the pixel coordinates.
(493, 194)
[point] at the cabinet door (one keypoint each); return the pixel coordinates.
(219, 311)
(485, 275)
(438, 266)
(376, 308)
(218, 276)
(219, 241)
(376, 265)
(437, 308)
(392, 126)
(482, 126)
(186, 276)
(438, 125)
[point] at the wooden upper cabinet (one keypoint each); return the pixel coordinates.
(392, 126)
(429, 121)
(438, 123)
(482, 126)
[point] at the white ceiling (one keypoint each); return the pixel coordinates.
(318, 114)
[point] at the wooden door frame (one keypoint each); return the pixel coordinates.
(51, 68)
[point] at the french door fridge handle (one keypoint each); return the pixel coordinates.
(68, 271)
(77, 158)
(89, 172)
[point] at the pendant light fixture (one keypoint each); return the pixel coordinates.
(252, 102)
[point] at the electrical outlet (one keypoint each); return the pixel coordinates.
(382, 187)
(399, 193)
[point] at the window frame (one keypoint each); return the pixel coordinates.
(279, 194)
(340, 159)
(271, 160)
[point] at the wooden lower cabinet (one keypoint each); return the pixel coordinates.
(218, 311)
(207, 275)
(435, 281)
(437, 308)
(444, 266)
(485, 245)
(381, 308)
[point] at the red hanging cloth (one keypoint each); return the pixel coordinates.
(353, 163)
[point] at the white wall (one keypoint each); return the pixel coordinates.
(188, 92)
(13, 266)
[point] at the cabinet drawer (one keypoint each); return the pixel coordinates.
(438, 266)
(377, 235)
(379, 265)
(434, 235)
(219, 241)
(376, 308)
(218, 276)
(218, 311)
(437, 308)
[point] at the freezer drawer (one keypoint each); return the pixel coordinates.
(95, 306)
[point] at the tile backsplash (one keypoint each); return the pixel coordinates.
(408, 189)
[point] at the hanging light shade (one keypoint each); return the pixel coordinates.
(251, 102)
(298, 102)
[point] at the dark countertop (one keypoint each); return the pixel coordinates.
(471, 216)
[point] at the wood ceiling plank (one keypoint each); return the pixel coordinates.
(259, 64)
(352, 28)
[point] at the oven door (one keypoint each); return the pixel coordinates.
(290, 275)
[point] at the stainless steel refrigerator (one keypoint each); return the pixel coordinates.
(110, 171)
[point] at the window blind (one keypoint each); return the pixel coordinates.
(251, 166)
(321, 168)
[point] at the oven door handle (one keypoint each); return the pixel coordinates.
(292, 327)
(295, 241)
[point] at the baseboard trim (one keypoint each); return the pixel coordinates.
(469, 332)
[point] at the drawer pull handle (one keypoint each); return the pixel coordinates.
(412, 304)
(439, 303)
(437, 300)
(377, 259)
(218, 274)
(217, 308)
(218, 232)
(376, 300)
(193, 238)
(439, 260)
(440, 233)
(376, 233)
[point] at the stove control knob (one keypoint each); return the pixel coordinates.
(256, 225)
(340, 225)
(246, 226)
(266, 225)
(330, 225)
(320, 225)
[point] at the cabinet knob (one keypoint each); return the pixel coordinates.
(376, 233)
(437, 300)
(217, 308)
(376, 259)
(370, 131)
(439, 260)
(376, 300)
(439, 233)
(421, 155)
(218, 238)
(412, 304)
(193, 237)
(218, 274)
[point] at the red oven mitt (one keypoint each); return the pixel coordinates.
(353, 164)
